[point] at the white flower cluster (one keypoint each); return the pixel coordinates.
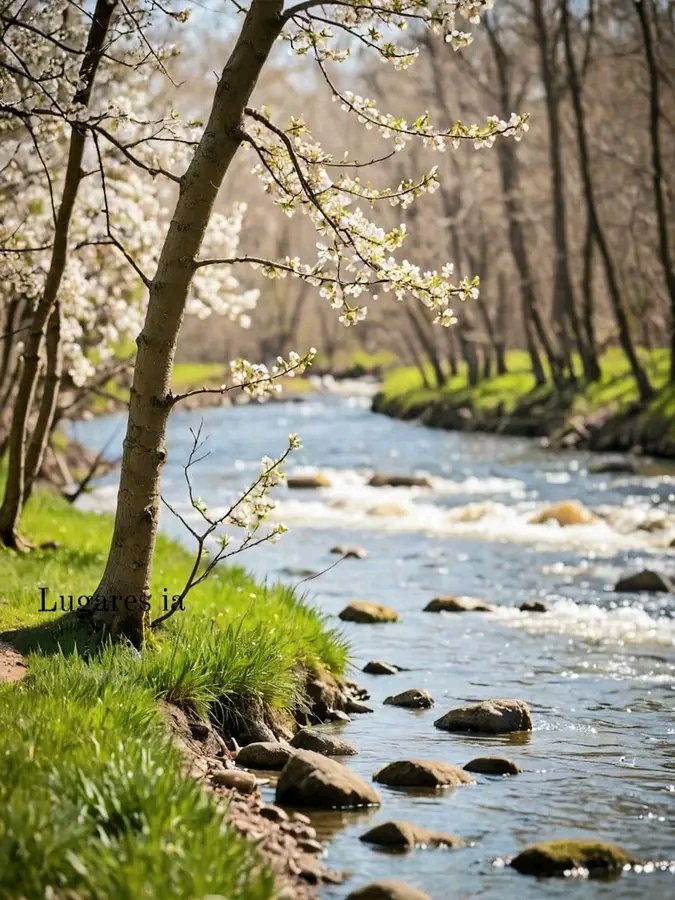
(215, 289)
(355, 255)
(259, 381)
(374, 21)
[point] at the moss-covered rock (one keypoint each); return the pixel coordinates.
(557, 857)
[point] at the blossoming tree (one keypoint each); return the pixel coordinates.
(356, 260)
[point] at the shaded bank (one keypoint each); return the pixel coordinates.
(606, 415)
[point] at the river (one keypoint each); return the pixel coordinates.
(597, 668)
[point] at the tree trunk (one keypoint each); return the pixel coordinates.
(50, 393)
(595, 225)
(564, 303)
(12, 504)
(122, 596)
(509, 170)
(657, 172)
(419, 327)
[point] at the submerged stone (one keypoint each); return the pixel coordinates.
(308, 482)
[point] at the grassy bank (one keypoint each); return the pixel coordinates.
(605, 415)
(93, 800)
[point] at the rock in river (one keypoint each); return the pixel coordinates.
(422, 773)
(614, 467)
(646, 580)
(405, 836)
(387, 890)
(326, 744)
(377, 667)
(493, 765)
(412, 699)
(381, 479)
(488, 717)
(558, 857)
(567, 512)
(349, 552)
(458, 604)
(308, 482)
(365, 612)
(533, 606)
(312, 780)
(269, 755)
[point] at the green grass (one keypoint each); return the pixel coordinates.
(92, 797)
(615, 391)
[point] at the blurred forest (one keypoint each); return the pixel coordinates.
(569, 230)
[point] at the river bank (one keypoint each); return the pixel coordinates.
(606, 416)
(118, 768)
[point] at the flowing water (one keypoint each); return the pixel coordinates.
(597, 668)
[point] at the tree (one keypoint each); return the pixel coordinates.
(658, 174)
(357, 256)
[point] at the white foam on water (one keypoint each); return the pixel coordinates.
(351, 503)
(589, 622)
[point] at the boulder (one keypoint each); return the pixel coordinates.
(387, 890)
(349, 552)
(386, 510)
(493, 765)
(365, 612)
(533, 606)
(412, 699)
(308, 482)
(269, 755)
(646, 580)
(565, 513)
(488, 717)
(377, 667)
(405, 836)
(558, 857)
(422, 773)
(312, 780)
(381, 479)
(243, 782)
(326, 744)
(458, 604)
(356, 707)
